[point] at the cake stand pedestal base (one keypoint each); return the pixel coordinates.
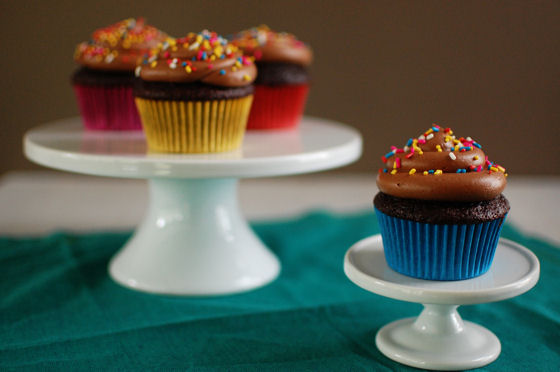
(194, 241)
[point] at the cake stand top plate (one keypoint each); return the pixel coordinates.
(318, 144)
(515, 270)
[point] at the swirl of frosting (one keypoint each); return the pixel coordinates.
(205, 57)
(119, 47)
(439, 166)
(269, 46)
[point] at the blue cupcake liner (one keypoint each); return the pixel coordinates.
(439, 252)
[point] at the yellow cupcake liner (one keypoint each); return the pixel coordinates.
(194, 126)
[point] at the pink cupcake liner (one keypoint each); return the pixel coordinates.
(107, 108)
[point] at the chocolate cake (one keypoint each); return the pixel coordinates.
(195, 91)
(442, 212)
(88, 76)
(278, 73)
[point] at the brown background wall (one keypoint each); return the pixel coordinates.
(390, 68)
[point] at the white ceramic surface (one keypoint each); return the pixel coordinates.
(439, 339)
(193, 239)
(316, 145)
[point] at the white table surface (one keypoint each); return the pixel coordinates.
(39, 202)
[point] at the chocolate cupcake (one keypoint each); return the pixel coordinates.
(194, 94)
(440, 207)
(283, 81)
(103, 84)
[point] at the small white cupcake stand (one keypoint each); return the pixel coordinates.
(439, 339)
(194, 239)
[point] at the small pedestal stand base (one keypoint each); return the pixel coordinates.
(438, 338)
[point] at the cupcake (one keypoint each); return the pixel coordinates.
(440, 207)
(282, 84)
(194, 94)
(103, 83)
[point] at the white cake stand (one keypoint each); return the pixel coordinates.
(439, 339)
(193, 240)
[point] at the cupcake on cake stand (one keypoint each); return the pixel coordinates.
(439, 338)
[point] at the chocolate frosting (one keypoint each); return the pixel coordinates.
(270, 46)
(439, 166)
(205, 57)
(119, 47)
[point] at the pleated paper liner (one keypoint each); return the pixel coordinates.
(277, 107)
(439, 252)
(194, 126)
(107, 108)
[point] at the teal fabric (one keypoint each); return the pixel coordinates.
(60, 311)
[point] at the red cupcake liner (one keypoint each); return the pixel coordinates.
(277, 107)
(107, 108)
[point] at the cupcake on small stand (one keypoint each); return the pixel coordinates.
(282, 83)
(103, 83)
(440, 206)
